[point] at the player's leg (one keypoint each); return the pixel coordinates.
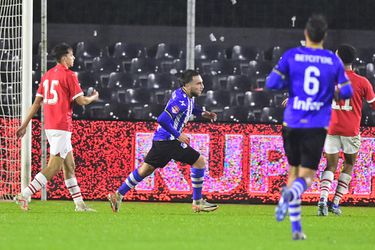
(291, 144)
(312, 142)
(351, 147)
(131, 181)
(158, 156)
(72, 184)
(197, 179)
(332, 148)
(54, 166)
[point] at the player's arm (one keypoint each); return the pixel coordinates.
(85, 100)
(21, 131)
(369, 94)
(344, 91)
(205, 114)
(165, 120)
(278, 78)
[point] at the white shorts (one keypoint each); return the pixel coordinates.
(59, 142)
(348, 144)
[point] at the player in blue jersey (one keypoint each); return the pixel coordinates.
(313, 77)
(170, 142)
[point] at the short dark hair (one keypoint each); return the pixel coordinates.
(347, 53)
(61, 50)
(316, 28)
(188, 75)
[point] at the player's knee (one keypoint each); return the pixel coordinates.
(200, 163)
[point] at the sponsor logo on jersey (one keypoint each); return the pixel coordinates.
(175, 109)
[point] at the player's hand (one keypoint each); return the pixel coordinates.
(336, 95)
(184, 138)
(209, 115)
(21, 131)
(94, 95)
(285, 102)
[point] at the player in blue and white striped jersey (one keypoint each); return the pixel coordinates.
(171, 143)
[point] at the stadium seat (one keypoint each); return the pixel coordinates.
(235, 114)
(120, 80)
(222, 67)
(168, 51)
(244, 53)
(124, 51)
(162, 81)
(142, 65)
(272, 115)
(256, 99)
(89, 50)
(132, 96)
(105, 65)
(99, 111)
(218, 98)
(238, 83)
(88, 79)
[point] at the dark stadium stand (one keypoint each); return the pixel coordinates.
(135, 82)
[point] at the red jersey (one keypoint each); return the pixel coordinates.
(346, 114)
(59, 87)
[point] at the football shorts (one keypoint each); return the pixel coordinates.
(348, 144)
(59, 141)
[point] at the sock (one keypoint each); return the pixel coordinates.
(296, 190)
(197, 177)
(342, 187)
(295, 215)
(39, 181)
(74, 190)
(133, 179)
(325, 185)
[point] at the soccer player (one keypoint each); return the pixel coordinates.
(310, 73)
(170, 142)
(58, 89)
(343, 133)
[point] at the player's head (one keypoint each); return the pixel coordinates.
(192, 82)
(347, 53)
(63, 54)
(316, 28)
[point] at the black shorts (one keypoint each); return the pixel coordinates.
(304, 146)
(162, 152)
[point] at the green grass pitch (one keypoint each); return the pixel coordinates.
(54, 225)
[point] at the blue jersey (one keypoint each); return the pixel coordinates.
(310, 75)
(179, 108)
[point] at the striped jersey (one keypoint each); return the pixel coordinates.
(179, 107)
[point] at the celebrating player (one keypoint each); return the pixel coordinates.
(310, 73)
(170, 142)
(58, 89)
(343, 133)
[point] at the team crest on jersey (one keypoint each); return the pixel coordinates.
(175, 109)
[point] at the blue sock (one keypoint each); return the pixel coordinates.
(133, 179)
(197, 177)
(299, 186)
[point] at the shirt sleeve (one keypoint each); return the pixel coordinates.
(277, 79)
(176, 105)
(74, 88)
(369, 94)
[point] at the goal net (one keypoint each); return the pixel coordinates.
(12, 95)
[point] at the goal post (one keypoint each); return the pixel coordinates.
(15, 94)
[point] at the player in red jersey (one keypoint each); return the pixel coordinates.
(58, 89)
(343, 133)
